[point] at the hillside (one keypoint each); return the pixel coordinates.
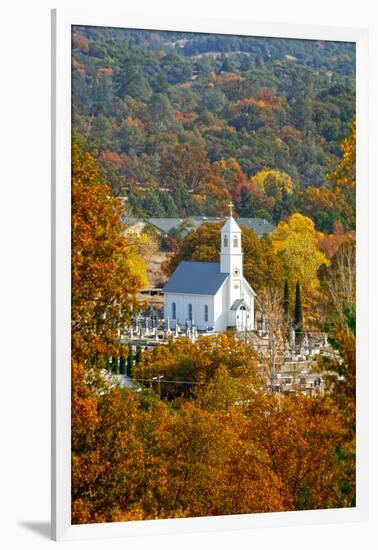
(182, 123)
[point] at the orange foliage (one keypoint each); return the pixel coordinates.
(78, 67)
(330, 244)
(234, 177)
(80, 43)
(264, 99)
(300, 435)
(115, 159)
(104, 278)
(104, 71)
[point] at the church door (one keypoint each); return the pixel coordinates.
(242, 318)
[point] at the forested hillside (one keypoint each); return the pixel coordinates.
(181, 123)
(239, 421)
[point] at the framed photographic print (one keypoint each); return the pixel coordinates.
(210, 353)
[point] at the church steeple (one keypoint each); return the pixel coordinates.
(231, 250)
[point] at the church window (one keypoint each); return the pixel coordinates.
(235, 242)
(174, 311)
(206, 313)
(225, 241)
(190, 312)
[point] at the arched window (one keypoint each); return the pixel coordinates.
(190, 312)
(225, 241)
(206, 313)
(174, 311)
(235, 242)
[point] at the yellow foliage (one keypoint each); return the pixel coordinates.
(345, 173)
(134, 122)
(296, 241)
(280, 180)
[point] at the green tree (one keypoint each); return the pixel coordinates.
(286, 299)
(138, 354)
(122, 365)
(245, 206)
(130, 360)
(298, 314)
(132, 82)
(115, 365)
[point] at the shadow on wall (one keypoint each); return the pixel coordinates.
(41, 528)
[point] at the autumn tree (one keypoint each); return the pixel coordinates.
(269, 304)
(345, 173)
(296, 243)
(187, 164)
(340, 375)
(273, 191)
(326, 207)
(329, 243)
(113, 475)
(271, 181)
(300, 435)
(344, 176)
(213, 196)
(107, 269)
(341, 281)
(181, 366)
(214, 467)
(233, 176)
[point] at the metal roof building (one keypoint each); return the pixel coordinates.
(165, 225)
(196, 278)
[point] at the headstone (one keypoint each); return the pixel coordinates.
(292, 337)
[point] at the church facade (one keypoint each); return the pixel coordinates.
(212, 296)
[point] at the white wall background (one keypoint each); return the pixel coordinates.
(25, 272)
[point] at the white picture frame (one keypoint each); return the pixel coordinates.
(62, 20)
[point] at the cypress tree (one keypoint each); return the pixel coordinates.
(245, 206)
(130, 360)
(122, 365)
(286, 299)
(115, 367)
(298, 315)
(138, 354)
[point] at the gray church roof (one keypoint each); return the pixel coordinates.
(259, 225)
(196, 278)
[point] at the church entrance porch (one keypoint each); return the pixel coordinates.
(240, 316)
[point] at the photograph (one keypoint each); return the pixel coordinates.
(213, 274)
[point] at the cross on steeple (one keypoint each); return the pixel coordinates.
(230, 207)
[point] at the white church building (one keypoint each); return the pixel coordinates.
(212, 296)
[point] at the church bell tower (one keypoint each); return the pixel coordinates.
(231, 251)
